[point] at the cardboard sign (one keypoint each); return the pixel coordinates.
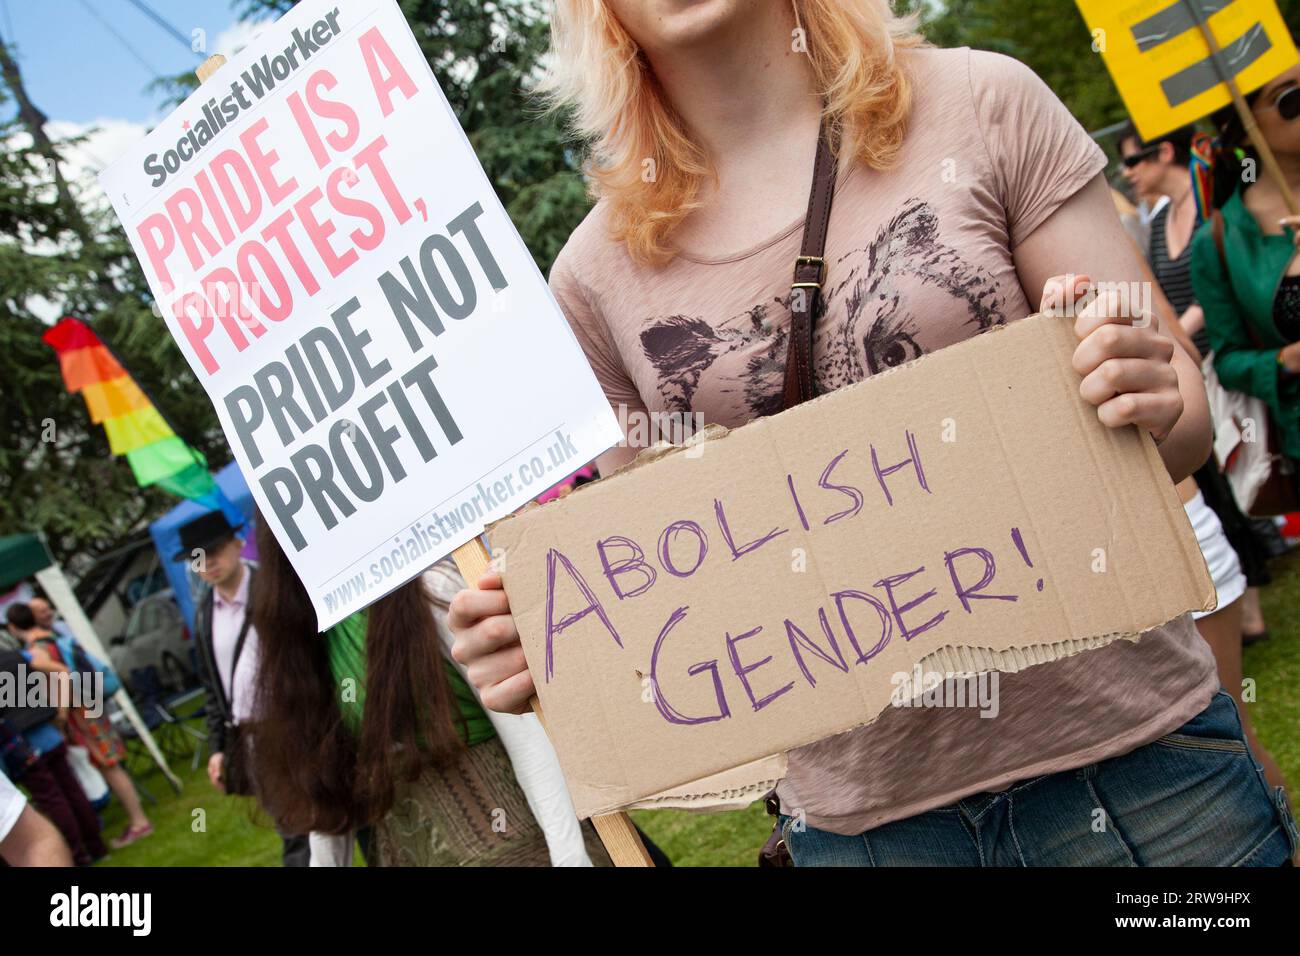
(692, 613)
(386, 361)
(1162, 64)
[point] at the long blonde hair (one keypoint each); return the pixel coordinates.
(621, 112)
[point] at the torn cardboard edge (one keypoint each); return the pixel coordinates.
(1142, 523)
(739, 787)
(732, 789)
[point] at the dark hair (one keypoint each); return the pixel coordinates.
(20, 616)
(312, 772)
(1180, 139)
(1233, 148)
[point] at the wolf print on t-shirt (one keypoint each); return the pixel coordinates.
(867, 320)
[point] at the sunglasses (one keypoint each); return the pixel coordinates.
(1142, 155)
(1287, 104)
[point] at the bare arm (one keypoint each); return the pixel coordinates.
(1164, 309)
(33, 841)
(42, 661)
(614, 459)
(1133, 371)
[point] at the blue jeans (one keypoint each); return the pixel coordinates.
(1195, 797)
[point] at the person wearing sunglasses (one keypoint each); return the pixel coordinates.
(1148, 197)
(964, 187)
(1245, 271)
(1135, 160)
(1245, 268)
(1234, 552)
(1154, 171)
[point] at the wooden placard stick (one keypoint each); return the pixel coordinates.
(1243, 108)
(472, 560)
(616, 830)
(209, 66)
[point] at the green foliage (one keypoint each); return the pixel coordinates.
(1049, 36)
(486, 56)
(56, 474)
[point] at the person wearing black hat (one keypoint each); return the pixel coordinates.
(228, 651)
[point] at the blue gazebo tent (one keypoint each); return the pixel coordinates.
(24, 556)
(167, 538)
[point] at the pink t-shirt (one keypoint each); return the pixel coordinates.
(918, 258)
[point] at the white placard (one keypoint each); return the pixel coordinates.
(385, 358)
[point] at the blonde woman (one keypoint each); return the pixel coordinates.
(964, 188)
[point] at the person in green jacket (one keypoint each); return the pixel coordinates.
(1251, 293)
(1247, 279)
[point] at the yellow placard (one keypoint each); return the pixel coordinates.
(1161, 62)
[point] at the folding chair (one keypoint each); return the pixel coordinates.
(175, 738)
(175, 703)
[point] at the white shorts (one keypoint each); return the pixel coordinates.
(1225, 567)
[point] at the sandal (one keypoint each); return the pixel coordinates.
(130, 835)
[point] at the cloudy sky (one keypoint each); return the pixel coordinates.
(88, 63)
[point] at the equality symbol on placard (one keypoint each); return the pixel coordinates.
(1166, 71)
(1203, 75)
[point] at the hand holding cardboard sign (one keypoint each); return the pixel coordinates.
(487, 643)
(1126, 367)
(1127, 374)
(1289, 358)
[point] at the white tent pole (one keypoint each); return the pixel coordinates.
(56, 586)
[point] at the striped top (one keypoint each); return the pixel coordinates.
(1174, 275)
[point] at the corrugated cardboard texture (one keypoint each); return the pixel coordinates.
(730, 790)
(1004, 442)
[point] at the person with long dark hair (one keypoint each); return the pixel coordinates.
(371, 728)
(1235, 554)
(966, 192)
(1246, 273)
(1248, 276)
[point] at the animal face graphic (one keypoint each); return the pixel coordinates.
(871, 325)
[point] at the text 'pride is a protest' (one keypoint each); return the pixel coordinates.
(378, 343)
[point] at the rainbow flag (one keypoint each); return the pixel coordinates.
(134, 426)
(1202, 170)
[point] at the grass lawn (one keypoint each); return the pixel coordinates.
(200, 827)
(1274, 665)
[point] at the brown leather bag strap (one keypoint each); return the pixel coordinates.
(1216, 230)
(809, 274)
